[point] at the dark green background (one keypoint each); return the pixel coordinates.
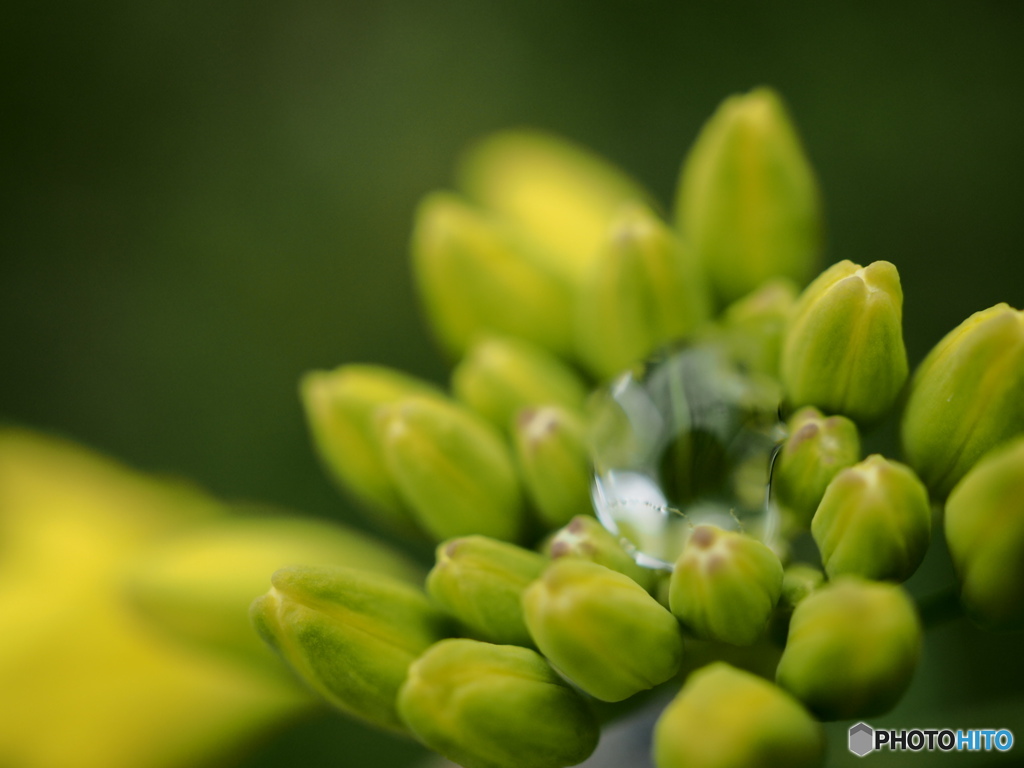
(204, 199)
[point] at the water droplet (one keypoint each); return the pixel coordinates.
(685, 439)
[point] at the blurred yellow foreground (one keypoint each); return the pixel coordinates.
(85, 681)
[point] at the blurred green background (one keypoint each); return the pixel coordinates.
(204, 200)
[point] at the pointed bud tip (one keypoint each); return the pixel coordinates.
(580, 614)
(457, 699)
(725, 585)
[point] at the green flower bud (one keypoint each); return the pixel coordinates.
(725, 586)
(728, 718)
(661, 591)
(500, 376)
(852, 649)
(602, 630)
(966, 397)
(586, 539)
(495, 706)
(197, 587)
(755, 326)
(550, 446)
(350, 635)
(340, 407)
(475, 277)
(642, 291)
(452, 468)
(985, 533)
(874, 521)
(748, 202)
(817, 448)
(844, 347)
(560, 195)
(481, 581)
(798, 581)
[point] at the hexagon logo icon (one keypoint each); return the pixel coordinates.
(862, 739)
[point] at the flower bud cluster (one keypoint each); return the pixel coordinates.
(547, 274)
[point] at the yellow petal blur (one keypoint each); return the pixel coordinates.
(84, 682)
(560, 195)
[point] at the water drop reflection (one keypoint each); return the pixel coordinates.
(687, 438)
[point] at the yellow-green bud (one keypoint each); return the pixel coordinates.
(985, 533)
(349, 634)
(341, 407)
(852, 649)
(966, 398)
(798, 581)
(550, 446)
(817, 448)
(197, 587)
(495, 706)
(499, 376)
(844, 347)
(725, 585)
(601, 629)
(748, 201)
(585, 538)
(560, 195)
(874, 521)
(755, 326)
(480, 581)
(728, 718)
(475, 277)
(642, 291)
(452, 468)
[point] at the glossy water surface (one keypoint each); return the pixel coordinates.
(687, 438)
